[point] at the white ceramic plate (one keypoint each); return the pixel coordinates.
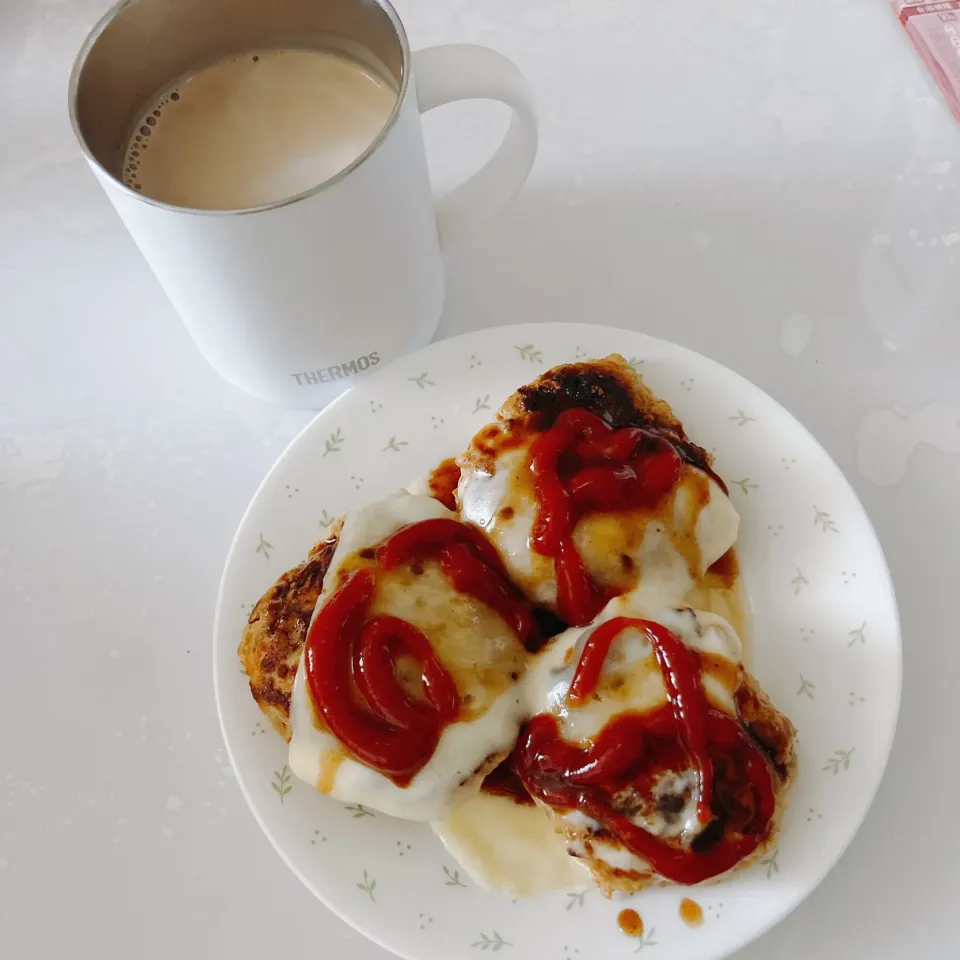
(826, 649)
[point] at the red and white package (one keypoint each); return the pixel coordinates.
(934, 29)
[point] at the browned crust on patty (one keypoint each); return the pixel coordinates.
(776, 736)
(277, 629)
(770, 728)
(609, 388)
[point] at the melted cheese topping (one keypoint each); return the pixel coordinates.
(631, 678)
(725, 597)
(662, 553)
(509, 846)
(477, 648)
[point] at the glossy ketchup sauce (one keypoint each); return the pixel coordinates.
(583, 465)
(350, 657)
(735, 778)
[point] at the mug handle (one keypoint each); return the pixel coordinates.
(464, 71)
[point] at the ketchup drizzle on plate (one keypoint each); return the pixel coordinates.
(582, 465)
(634, 747)
(350, 657)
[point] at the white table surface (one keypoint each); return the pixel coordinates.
(773, 183)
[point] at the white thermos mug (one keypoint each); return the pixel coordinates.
(292, 301)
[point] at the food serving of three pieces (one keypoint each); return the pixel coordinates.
(540, 650)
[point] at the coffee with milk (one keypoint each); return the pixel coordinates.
(257, 128)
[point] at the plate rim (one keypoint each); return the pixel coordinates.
(888, 588)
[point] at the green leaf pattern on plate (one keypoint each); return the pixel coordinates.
(492, 943)
(282, 782)
(453, 878)
(745, 485)
(395, 445)
(824, 521)
(264, 547)
(646, 940)
(368, 886)
(839, 760)
(575, 898)
(530, 352)
(334, 442)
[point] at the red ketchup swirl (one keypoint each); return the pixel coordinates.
(583, 465)
(634, 748)
(350, 657)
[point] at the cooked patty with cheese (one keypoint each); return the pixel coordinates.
(478, 649)
(659, 792)
(662, 546)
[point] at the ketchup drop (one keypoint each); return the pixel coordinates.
(691, 912)
(630, 923)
